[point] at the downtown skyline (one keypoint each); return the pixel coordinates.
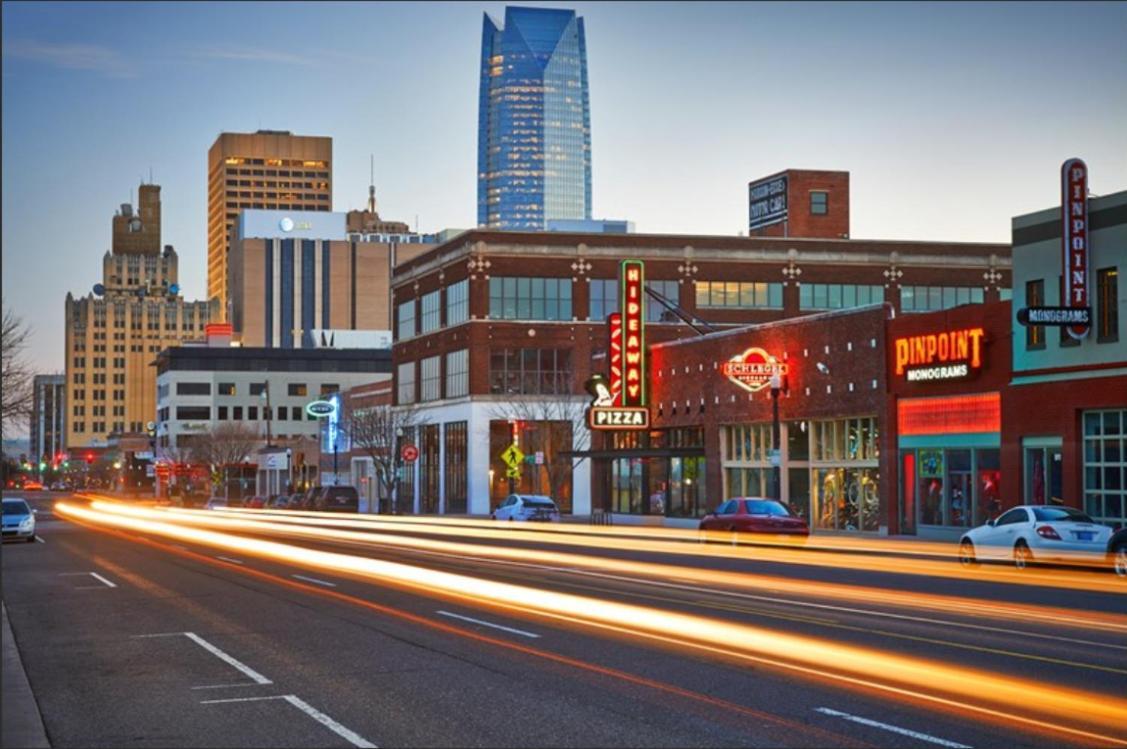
(948, 122)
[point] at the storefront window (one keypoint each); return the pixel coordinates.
(428, 468)
(799, 492)
(847, 499)
(455, 476)
(1105, 466)
(1043, 475)
(989, 478)
(551, 476)
(958, 487)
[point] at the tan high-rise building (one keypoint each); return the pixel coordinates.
(270, 169)
(114, 334)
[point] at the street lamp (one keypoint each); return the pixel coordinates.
(776, 384)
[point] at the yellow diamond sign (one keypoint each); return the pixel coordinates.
(512, 456)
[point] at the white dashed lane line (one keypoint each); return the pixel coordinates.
(894, 729)
(256, 677)
(345, 733)
(315, 581)
(489, 624)
(229, 559)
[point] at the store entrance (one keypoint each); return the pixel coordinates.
(1044, 469)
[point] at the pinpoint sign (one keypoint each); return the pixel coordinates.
(1074, 238)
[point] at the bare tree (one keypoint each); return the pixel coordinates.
(380, 432)
(221, 446)
(555, 425)
(17, 374)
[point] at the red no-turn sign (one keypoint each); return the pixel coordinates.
(409, 453)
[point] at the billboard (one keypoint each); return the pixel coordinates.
(767, 202)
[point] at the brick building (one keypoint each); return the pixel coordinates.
(800, 203)
(496, 332)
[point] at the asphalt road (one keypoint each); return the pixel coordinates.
(131, 639)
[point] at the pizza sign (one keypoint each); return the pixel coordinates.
(752, 370)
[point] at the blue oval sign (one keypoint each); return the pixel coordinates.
(320, 408)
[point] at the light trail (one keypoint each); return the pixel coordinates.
(848, 594)
(766, 550)
(1081, 714)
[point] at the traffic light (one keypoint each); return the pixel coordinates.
(89, 459)
(42, 466)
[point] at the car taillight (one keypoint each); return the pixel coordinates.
(1048, 531)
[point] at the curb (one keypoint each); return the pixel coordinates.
(22, 725)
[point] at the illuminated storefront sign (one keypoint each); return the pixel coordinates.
(1074, 238)
(633, 335)
(949, 355)
(752, 370)
(614, 322)
(1055, 316)
(620, 402)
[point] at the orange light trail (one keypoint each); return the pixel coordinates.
(1002, 697)
(740, 581)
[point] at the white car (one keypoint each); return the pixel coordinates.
(527, 507)
(1036, 532)
(216, 503)
(19, 519)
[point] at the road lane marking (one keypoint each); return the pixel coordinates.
(225, 657)
(346, 734)
(96, 576)
(315, 581)
(229, 559)
(39, 540)
(244, 699)
(489, 624)
(226, 686)
(894, 729)
(231, 660)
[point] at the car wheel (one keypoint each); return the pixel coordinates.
(966, 554)
(1023, 557)
(1120, 560)
(31, 538)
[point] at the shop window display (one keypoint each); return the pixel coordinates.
(1105, 466)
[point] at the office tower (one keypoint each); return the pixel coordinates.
(267, 169)
(114, 334)
(534, 121)
(48, 417)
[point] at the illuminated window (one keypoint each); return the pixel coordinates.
(739, 294)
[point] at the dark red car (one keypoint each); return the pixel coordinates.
(752, 515)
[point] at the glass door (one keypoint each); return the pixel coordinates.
(1043, 470)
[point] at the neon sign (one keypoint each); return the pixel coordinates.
(752, 370)
(620, 402)
(633, 335)
(948, 355)
(1074, 237)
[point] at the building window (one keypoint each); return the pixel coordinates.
(933, 298)
(458, 302)
(521, 298)
(430, 379)
(819, 202)
(456, 471)
(1105, 466)
(226, 388)
(457, 373)
(406, 317)
(222, 415)
(739, 294)
(603, 293)
(193, 413)
(237, 413)
(530, 371)
(297, 389)
(282, 413)
(658, 312)
(257, 388)
(838, 295)
(405, 382)
(193, 388)
(252, 413)
(1107, 305)
(431, 312)
(1035, 297)
(295, 413)
(329, 388)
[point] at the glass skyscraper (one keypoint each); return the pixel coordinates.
(534, 120)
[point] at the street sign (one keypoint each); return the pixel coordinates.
(512, 457)
(512, 473)
(409, 453)
(1079, 316)
(539, 457)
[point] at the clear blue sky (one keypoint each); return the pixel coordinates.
(952, 118)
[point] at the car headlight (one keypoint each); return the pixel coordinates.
(27, 523)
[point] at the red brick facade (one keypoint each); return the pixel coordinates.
(801, 220)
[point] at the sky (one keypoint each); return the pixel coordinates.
(951, 118)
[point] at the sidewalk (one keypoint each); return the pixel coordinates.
(22, 725)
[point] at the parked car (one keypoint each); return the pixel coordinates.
(756, 515)
(281, 501)
(32, 486)
(19, 519)
(1117, 551)
(338, 499)
(1036, 532)
(531, 507)
(309, 498)
(215, 503)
